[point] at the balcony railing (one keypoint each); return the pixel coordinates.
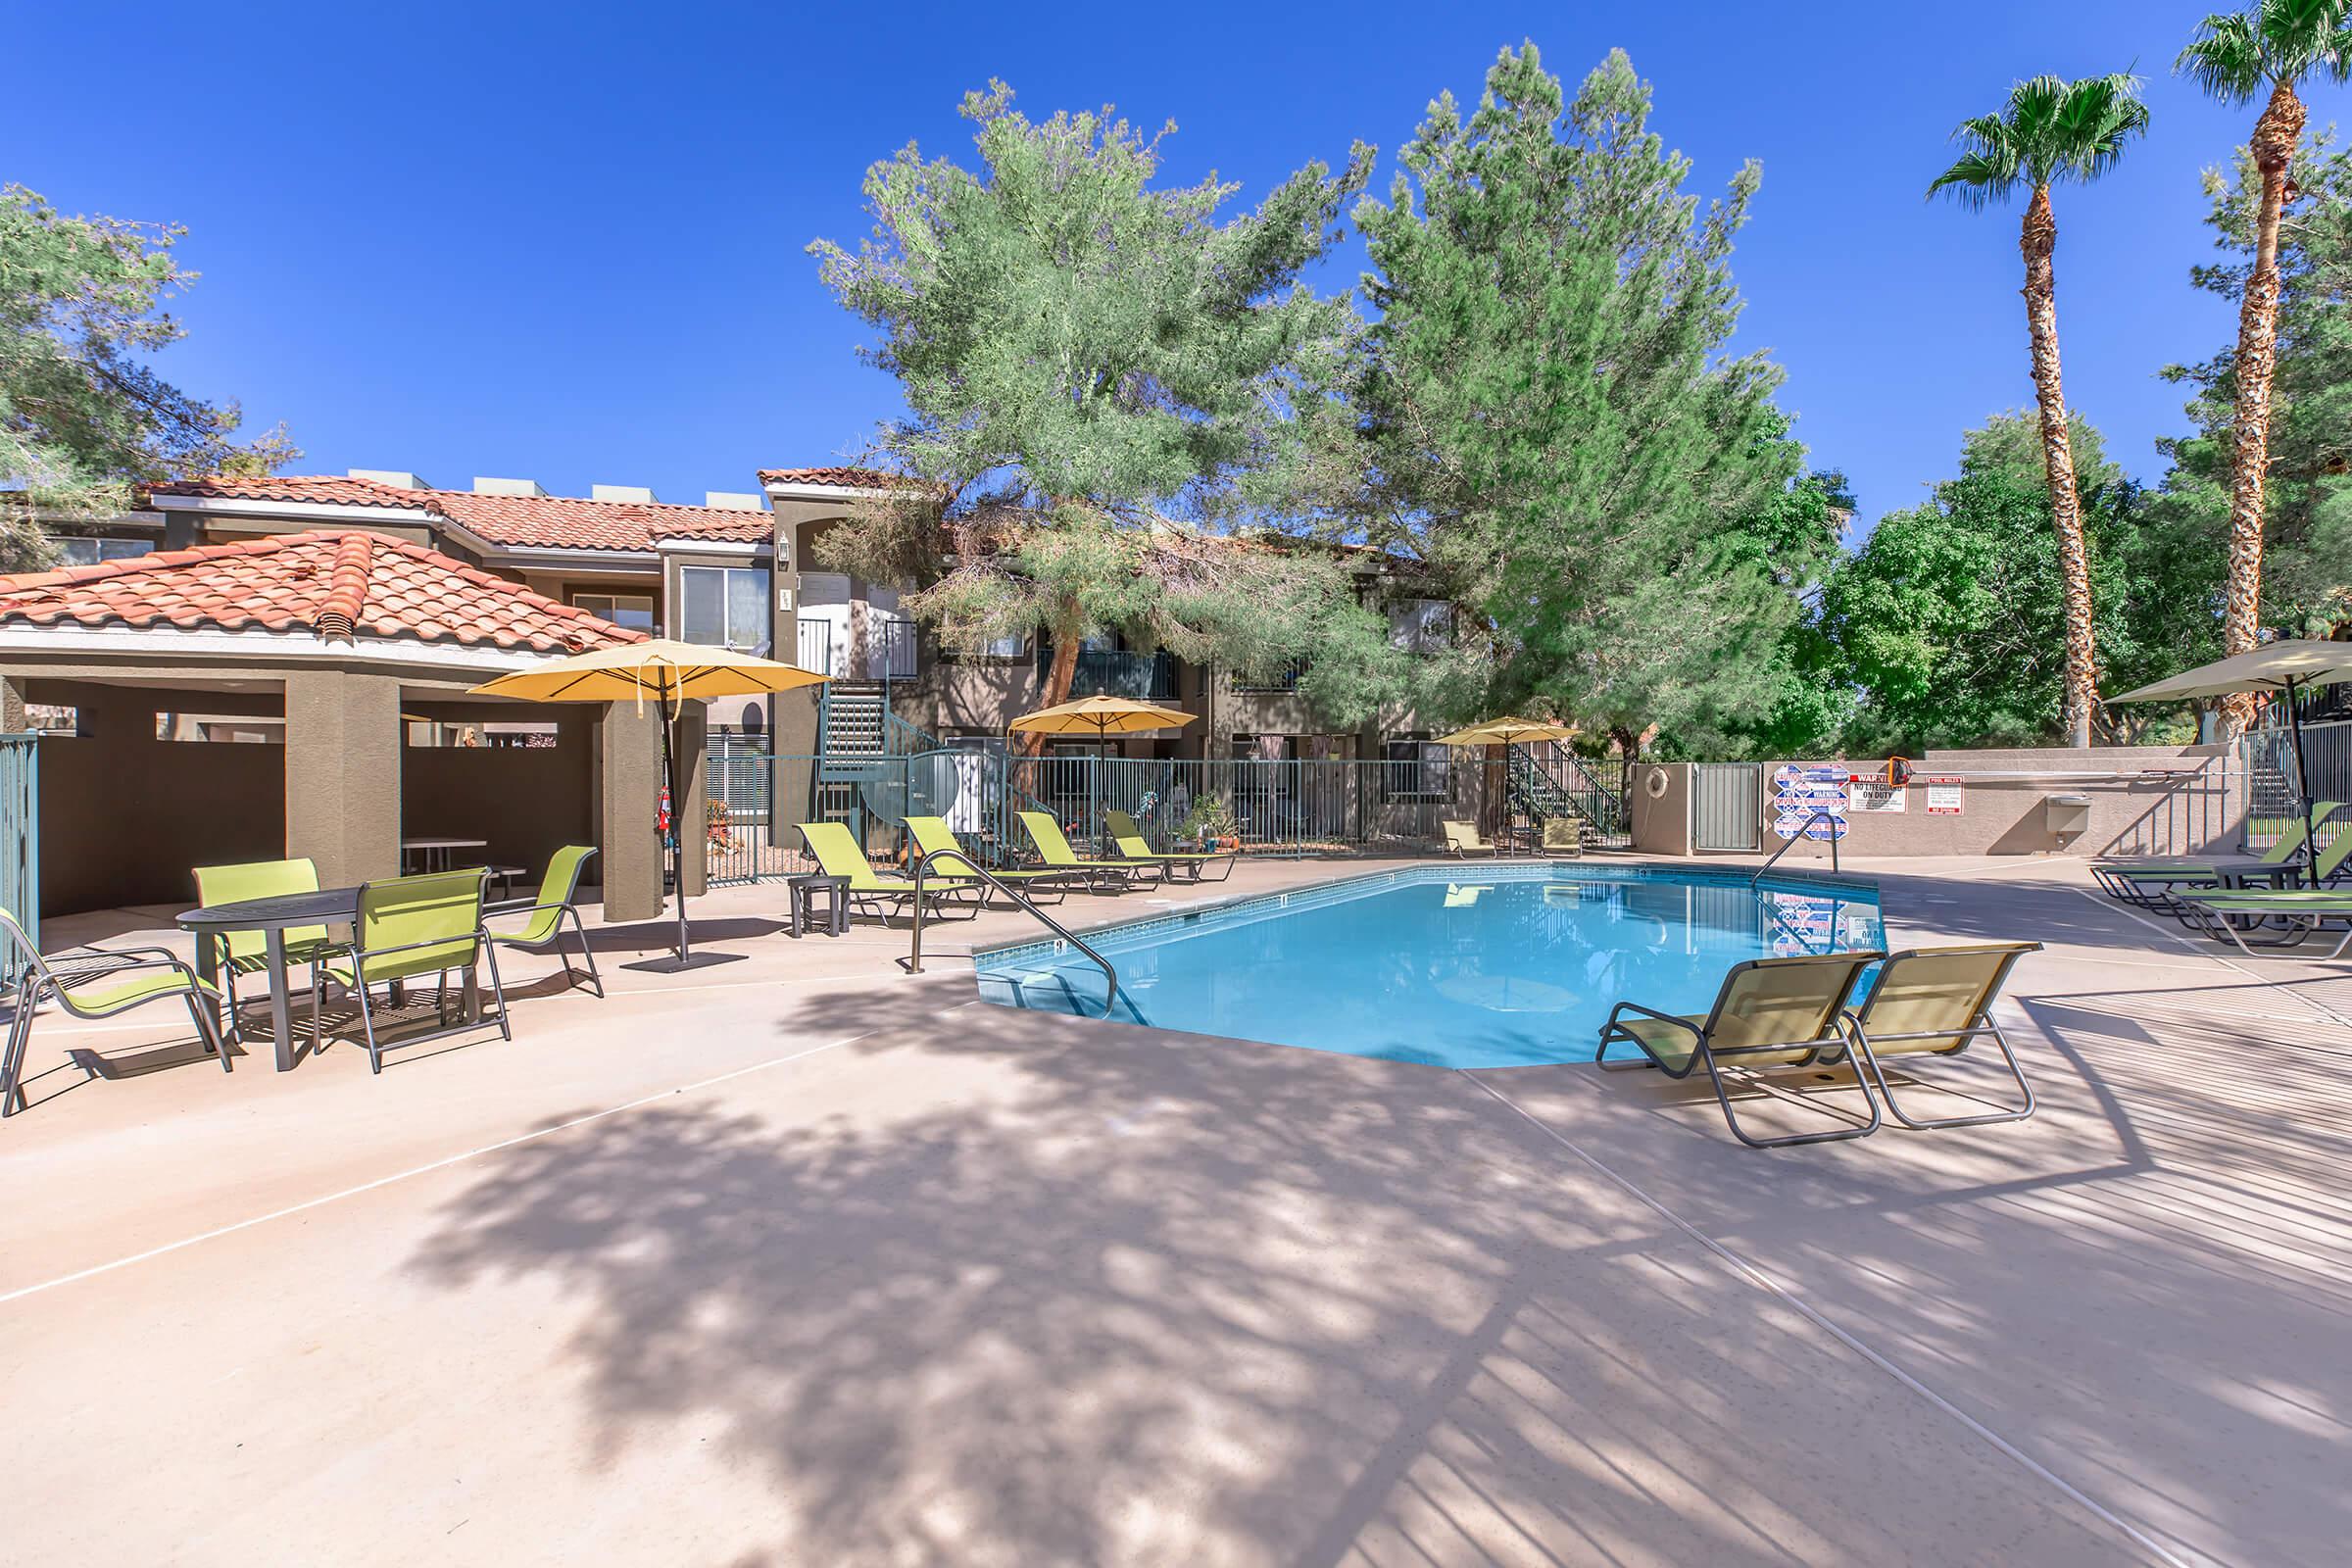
(1282, 681)
(1108, 672)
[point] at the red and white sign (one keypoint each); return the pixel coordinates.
(1945, 795)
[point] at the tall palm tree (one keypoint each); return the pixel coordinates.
(2234, 57)
(2051, 129)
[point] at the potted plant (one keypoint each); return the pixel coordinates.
(1210, 824)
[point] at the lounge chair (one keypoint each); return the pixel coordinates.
(93, 983)
(1463, 895)
(1936, 1002)
(932, 836)
(1135, 847)
(1054, 850)
(1771, 1012)
(548, 909)
(837, 853)
(2219, 912)
(2149, 883)
(247, 951)
(1462, 839)
(410, 927)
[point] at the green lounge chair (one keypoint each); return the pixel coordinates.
(1771, 1012)
(1054, 850)
(1935, 1001)
(932, 836)
(93, 983)
(2219, 912)
(838, 855)
(2149, 883)
(548, 909)
(240, 953)
(1462, 839)
(1135, 847)
(412, 926)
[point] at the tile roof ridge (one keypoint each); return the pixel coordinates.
(347, 586)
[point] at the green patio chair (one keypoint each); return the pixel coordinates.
(837, 853)
(932, 836)
(548, 909)
(2150, 882)
(237, 953)
(1054, 850)
(93, 983)
(2301, 912)
(412, 926)
(1771, 1012)
(1936, 1002)
(1135, 847)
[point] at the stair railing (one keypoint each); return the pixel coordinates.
(914, 962)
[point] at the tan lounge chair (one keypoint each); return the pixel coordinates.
(1462, 839)
(1935, 1001)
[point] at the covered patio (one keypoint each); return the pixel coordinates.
(306, 695)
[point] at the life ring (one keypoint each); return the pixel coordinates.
(1655, 783)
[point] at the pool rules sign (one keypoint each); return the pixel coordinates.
(1798, 793)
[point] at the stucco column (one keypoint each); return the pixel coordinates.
(12, 705)
(628, 761)
(691, 740)
(343, 775)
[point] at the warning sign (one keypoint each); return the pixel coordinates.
(1875, 794)
(1944, 796)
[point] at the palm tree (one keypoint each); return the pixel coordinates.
(2051, 129)
(2235, 56)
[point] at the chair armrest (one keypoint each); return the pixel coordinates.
(519, 906)
(478, 934)
(1653, 1012)
(68, 970)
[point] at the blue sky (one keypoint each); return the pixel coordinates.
(566, 242)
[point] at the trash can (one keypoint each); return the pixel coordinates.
(2066, 817)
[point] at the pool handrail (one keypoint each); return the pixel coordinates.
(1817, 814)
(914, 962)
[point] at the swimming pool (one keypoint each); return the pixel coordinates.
(1480, 965)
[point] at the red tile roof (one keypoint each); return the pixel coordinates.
(517, 522)
(331, 582)
(838, 477)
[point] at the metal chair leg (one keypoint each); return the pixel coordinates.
(587, 953)
(489, 952)
(208, 1029)
(1877, 1073)
(375, 1054)
(1830, 1136)
(19, 1038)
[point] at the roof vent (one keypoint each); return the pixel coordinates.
(398, 479)
(732, 500)
(640, 494)
(508, 487)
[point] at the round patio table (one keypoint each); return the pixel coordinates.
(270, 916)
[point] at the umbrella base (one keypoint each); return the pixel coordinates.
(674, 964)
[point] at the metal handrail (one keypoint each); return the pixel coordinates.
(922, 869)
(1817, 814)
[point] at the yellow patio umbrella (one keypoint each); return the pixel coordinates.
(1507, 734)
(1099, 717)
(669, 672)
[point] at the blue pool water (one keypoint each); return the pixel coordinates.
(1458, 965)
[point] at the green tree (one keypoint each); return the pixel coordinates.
(1109, 392)
(2051, 129)
(2307, 576)
(1556, 430)
(2235, 56)
(1950, 616)
(84, 421)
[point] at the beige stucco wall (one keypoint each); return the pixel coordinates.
(2132, 811)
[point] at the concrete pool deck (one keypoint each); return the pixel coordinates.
(798, 1259)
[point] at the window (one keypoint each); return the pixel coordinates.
(633, 610)
(724, 607)
(1415, 771)
(1421, 626)
(81, 550)
(1013, 647)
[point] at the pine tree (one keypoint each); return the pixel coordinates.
(1108, 393)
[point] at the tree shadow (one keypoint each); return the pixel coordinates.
(1081, 1293)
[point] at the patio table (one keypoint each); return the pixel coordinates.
(270, 916)
(438, 855)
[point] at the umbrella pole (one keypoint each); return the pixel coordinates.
(677, 820)
(2294, 729)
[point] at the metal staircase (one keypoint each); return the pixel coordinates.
(1541, 788)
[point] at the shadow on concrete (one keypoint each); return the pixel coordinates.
(1083, 1294)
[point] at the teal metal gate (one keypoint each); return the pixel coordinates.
(21, 835)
